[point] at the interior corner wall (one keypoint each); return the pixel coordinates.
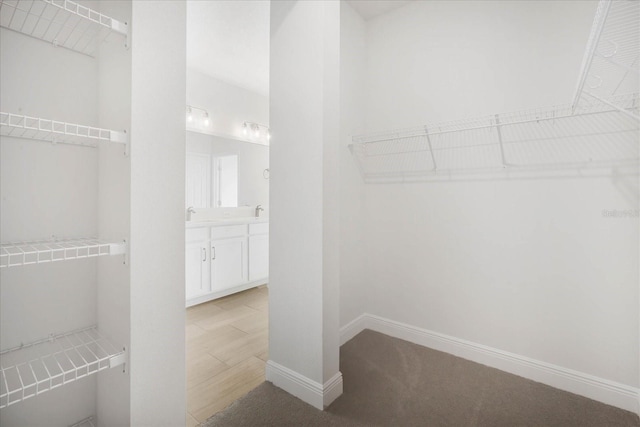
(529, 267)
(353, 291)
(157, 354)
(114, 181)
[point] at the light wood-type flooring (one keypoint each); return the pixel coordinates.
(227, 347)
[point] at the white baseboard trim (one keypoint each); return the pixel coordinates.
(307, 390)
(602, 390)
(332, 389)
(223, 293)
(353, 328)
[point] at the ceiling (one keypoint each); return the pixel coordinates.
(229, 39)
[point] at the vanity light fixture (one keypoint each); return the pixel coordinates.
(197, 115)
(256, 130)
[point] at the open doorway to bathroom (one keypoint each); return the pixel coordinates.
(226, 203)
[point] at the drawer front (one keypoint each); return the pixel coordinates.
(261, 228)
(228, 231)
(196, 234)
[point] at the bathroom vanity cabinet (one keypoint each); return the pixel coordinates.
(224, 257)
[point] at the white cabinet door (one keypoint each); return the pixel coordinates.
(228, 262)
(198, 180)
(197, 264)
(258, 257)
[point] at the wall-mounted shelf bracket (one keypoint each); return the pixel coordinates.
(433, 157)
(504, 160)
(122, 138)
(617, 107)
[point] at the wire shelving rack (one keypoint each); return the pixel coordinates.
(594, 135)
(45, 251)
(611, 63)
(35, 368)
(19, 126)
(600, 129)
(63, 23)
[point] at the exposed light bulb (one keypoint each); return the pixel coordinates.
(268, 134)
(244, 129)
(206, 118)
(189, 115)
(256, 133)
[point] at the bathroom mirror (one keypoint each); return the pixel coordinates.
(223, 172)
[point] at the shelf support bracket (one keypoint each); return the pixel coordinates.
(127, 37)
(611, 104)
(504, 160)
(122, 138)
(433, 157)
(122, 28)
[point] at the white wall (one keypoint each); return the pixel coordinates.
(439, 60)
(47, 190)
(530, 267)
(253, 159)
(353, 288)
(114, 195)
(304, 239)
(229, 106)
(157, 356)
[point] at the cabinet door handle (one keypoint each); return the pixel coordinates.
(204, 254)
(213, 252)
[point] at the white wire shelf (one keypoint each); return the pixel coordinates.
(611, 64)
(87, 422)
(32, 369)
(594, 135)
(37, 252)
(19, 126)
(63, 23)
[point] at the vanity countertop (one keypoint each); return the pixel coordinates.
(225, 221)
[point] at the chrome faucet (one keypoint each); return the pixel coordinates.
(190, 211)
(258, 209)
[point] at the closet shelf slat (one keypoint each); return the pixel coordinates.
(35, 368)
(595, 135)
(16, 254)
(19, 126)
(63, 23)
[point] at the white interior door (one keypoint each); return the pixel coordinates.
(225, 181)
(198, 180)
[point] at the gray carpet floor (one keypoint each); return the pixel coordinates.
(390, 382)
